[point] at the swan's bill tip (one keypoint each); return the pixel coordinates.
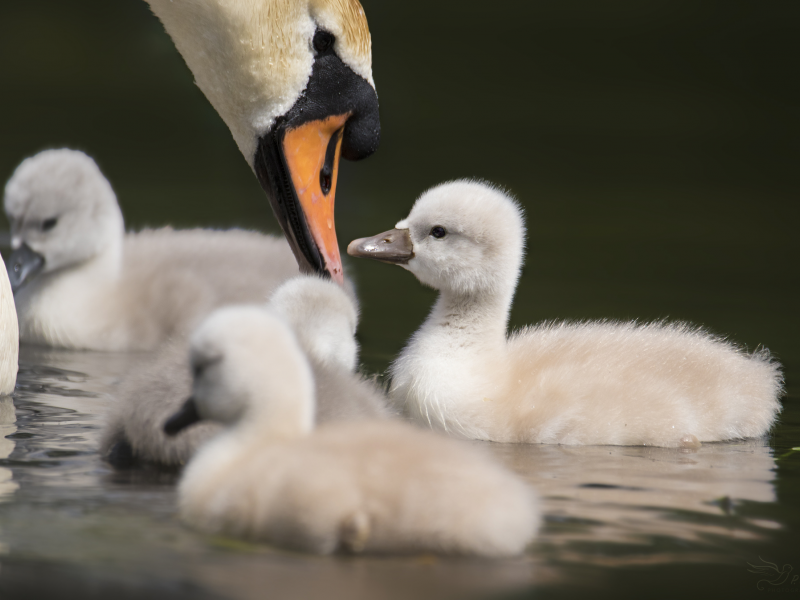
(298, 166)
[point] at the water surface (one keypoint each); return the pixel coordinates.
(612, 514)
(654, 147)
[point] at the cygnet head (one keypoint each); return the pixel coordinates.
(62, 211)
(323, 317)
(247, 366)
(464, 237)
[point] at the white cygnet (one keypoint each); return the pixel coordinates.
(322, 315)
(562, 383)
(9, 335)
(81, 282)
(380, 487)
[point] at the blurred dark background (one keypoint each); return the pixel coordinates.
(654, 144)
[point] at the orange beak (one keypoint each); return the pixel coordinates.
(312, 153)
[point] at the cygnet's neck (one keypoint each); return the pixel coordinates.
(329, 343)
(88, 277)
(106, 265)
(474, 319)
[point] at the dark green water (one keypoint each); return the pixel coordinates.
(654, 146)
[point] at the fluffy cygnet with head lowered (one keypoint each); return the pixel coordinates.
(324, 319)
(380, 486)
(81, 282)
(564, 383)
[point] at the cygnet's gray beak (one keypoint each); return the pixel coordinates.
(394, 246)
(186, 416)
(23, 264)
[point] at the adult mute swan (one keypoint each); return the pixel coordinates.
(9, 335)
(292, 79)
(381, 486)
(564, 383)
(81, 282)
(323, 317)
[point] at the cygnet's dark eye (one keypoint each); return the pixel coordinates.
(438, 232)
(323, 41)
(48, 224)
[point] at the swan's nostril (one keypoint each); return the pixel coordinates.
(326, 173)
(325, 182)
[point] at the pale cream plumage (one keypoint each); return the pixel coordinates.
(359, 487)
(566, 383)
(323, 317)
(102, 289)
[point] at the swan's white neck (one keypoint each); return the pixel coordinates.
(251, 59)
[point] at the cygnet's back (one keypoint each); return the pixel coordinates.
(172, 279)
(366, 486)
(81, 282)
(380, 487)
(630, 384)
(324, 317)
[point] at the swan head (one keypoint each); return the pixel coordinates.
(323, 317)
(248, 366)
(292, 79)
(464, 237)
(62, 212)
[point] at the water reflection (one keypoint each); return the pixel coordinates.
(605, 507)
(630, 496)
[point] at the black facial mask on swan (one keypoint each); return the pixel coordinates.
(297, 161)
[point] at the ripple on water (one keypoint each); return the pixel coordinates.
(608, 510)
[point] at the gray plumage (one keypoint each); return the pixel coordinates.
(324, 317)
(103, 289)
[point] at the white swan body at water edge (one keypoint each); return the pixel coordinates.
(9, 335)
